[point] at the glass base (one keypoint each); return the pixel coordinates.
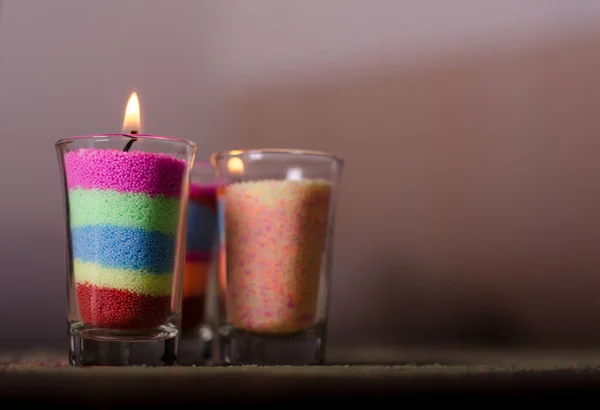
(238, 347)
(106, 347)
(195, 348)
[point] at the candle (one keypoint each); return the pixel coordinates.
(275, 232)
(124, 214)
(201, 235)
(126, 198)
(276, 222)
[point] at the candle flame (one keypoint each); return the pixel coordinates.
(235, 166)
(132, 122)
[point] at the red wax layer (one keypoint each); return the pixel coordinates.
(199, 256)
(121, 309)
(192, 313)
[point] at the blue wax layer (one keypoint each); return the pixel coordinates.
(124, 248)
(201, 227)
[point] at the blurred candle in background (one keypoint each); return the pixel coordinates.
(200, 260)
(201, 239)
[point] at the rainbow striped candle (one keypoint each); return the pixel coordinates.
(124, 212)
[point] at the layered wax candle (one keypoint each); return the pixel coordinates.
(201, 239)
(124, 214)
(126, 196)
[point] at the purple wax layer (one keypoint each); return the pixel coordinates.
(135, 171)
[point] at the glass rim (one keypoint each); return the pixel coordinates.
(202, 165)
(202, 169)
(217, 156)
(67, 140)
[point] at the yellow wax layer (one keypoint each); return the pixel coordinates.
(139, 282)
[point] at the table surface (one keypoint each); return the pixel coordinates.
(42, 375)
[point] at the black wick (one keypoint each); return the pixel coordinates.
(130, 142)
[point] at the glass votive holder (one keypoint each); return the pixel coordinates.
(125, 199)
(200, 260)
(277, 209)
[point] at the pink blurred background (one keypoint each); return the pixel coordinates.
(470, 207)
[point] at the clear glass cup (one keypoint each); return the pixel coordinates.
(126, 198)
(201, 259)
(277, 210)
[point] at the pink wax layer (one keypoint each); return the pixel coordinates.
(204, 193)
(135, 171)
(275, 238)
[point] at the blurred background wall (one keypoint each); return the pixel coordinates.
(470, 208)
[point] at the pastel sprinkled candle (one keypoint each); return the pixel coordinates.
(275, 237)
(126, 197)
(277, 208)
